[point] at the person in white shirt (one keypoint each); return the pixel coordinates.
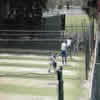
(69, 45)
(69, 42)
(64, 52)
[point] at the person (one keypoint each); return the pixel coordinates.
(69, 46)
(52, 62)
(64, 52)
(76, 43)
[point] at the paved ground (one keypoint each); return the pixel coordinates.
(17, 68)
(32, 70)
(24, 97)
(31, 82)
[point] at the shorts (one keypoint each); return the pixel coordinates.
(63, 54)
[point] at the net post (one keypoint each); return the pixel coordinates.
(60, 84)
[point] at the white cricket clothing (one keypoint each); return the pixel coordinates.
(52, 63)
(52, 60)
(69, 42)
(63, 46)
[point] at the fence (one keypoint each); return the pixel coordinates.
(76, 28)
(95, 91)
(31, 39)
